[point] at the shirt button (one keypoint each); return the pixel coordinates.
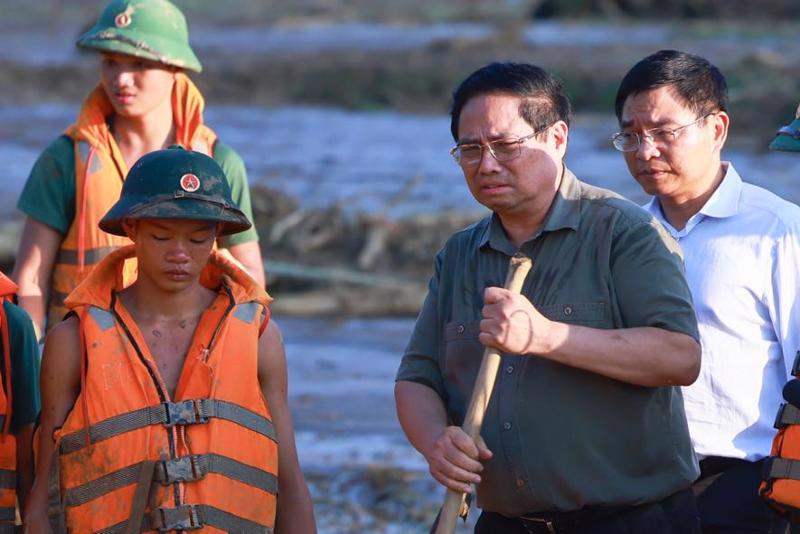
(460, 329)
(520, 482)
(567, 310)
(510, 369)
(507, 425)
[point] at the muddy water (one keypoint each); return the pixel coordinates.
(362, 160)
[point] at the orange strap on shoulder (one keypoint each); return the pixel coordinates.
(84, 356)
(7, 366)
(82, 211)
(264, 322)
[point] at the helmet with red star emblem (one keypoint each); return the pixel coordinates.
(176, 183)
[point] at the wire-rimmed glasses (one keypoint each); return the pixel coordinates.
(470, 154)
(660, 137)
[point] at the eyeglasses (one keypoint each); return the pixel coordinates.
(659, 137)
(502, 150)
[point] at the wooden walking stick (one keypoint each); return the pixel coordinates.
(518, 269)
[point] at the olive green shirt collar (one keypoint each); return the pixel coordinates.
(564, 214)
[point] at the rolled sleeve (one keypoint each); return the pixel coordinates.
(649, 283)
(49, 192)
(420, 361)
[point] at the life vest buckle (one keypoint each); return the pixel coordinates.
(185, 517)
(187, 412)
(183, 469)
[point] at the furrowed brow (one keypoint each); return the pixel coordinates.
(490, 138)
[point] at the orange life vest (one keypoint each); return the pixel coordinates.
(205, 459)
(781, 484)
(99, 172)
(8, 443)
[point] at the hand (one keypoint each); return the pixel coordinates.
(454, 459)
(511, 323)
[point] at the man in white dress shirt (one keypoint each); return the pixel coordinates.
(742, 255)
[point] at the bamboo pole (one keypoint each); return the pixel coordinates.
(518, 268)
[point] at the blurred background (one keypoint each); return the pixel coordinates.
(339, 109)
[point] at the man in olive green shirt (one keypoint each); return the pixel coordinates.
(585, 431)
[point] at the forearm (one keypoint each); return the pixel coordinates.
(33, 267)
(421, 413)
(257, 273)
(35, 511)
(60, 385)
(25, 473)
(295, 511)
(32, 298)
(644, 356)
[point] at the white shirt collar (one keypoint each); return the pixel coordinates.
(724, 202)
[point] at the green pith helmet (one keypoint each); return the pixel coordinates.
(788, 137)
(176, 183)
(150, 29)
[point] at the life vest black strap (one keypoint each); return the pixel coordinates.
(192, 517)
(169, 414)
(781, 468)
(788, 414)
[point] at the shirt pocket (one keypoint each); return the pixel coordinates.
(584, 313)
(462, 360)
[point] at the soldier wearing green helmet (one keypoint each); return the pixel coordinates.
(144, 102)
(788, 137)
(153, 30)
(191, 328)
(176, 184)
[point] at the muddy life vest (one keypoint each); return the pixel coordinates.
(8, 443)
(134, 459)
(99, 172)
(780, 486)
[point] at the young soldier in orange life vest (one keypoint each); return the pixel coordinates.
(144, 102)
(164, 403)
(19, 403)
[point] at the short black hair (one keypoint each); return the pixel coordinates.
(544, 100)
(694, 79)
